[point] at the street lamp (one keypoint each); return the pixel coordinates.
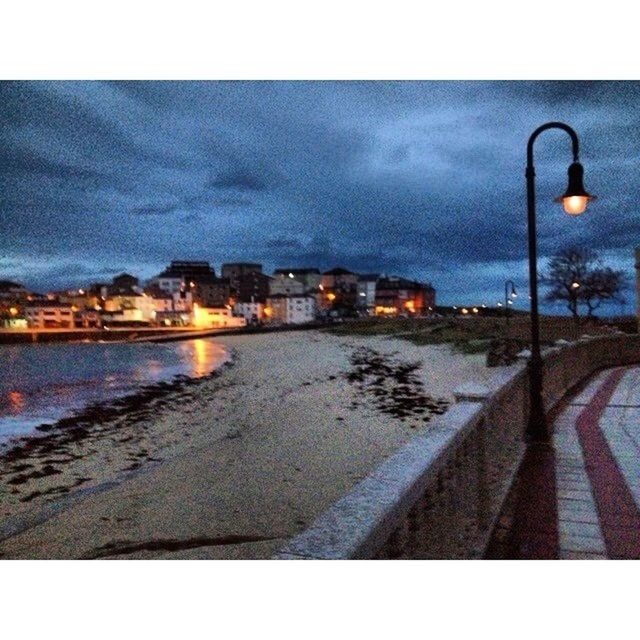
(574, 202)
(508, 299)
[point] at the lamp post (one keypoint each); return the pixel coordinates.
(574, 202)
(509, 295)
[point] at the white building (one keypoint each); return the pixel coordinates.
(292, 309)
(13, 323)
(131, 307)
(215, 318)
(252, 312)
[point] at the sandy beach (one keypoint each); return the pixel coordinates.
(230, 465)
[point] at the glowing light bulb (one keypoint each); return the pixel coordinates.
(575, 205)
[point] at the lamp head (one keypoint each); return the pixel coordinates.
(575, 198)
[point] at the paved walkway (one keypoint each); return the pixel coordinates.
(580, 498)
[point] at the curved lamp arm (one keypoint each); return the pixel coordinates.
(553, 125)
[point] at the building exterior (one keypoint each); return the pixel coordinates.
(49, 314)
(124, 282)
(339, 292)
(214, 293)
(292, 309)
(367, 292)
(398, 296)
(80, 299)
(99, 290)
(246, 280)
(252, 287)
(183, 300)
(215, 318)
(180, 274)
(234, 271)
(12, 291)
(310, 277)
(252, 312)
(162, 303)
(129, 308)
(88, 319)
(283, 284)
(13, 323)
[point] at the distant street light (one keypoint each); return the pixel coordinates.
(574, 202)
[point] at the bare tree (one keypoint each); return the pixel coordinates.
(566, 271)
(576, 276)
(603, 284)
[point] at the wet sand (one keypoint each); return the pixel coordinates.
(230, 465)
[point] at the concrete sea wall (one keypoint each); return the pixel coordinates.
(440, 494)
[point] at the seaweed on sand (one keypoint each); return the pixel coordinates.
(395, 386)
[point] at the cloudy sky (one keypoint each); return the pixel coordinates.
(423, 180)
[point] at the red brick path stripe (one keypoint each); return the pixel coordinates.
(534, 535)
(617, 511)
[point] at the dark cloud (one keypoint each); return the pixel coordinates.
(238, 179)
(154, 210)
(423, 179)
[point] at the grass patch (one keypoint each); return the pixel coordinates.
(467, 336)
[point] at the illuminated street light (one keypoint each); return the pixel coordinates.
(574, 202)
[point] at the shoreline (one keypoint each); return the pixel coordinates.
(97, 413)
(231, 464)
(133, 334)
(51, 440)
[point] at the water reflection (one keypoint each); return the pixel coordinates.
(16, 401)
(201, 360)
(42, 383)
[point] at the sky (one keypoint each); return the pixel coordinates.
(419, 179)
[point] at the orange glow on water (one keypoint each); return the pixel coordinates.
(203, 357)
(16, 401)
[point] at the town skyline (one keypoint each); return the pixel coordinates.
(383, 177)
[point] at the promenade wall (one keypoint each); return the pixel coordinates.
(440, 494)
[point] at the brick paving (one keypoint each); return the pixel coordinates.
(580, 497)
